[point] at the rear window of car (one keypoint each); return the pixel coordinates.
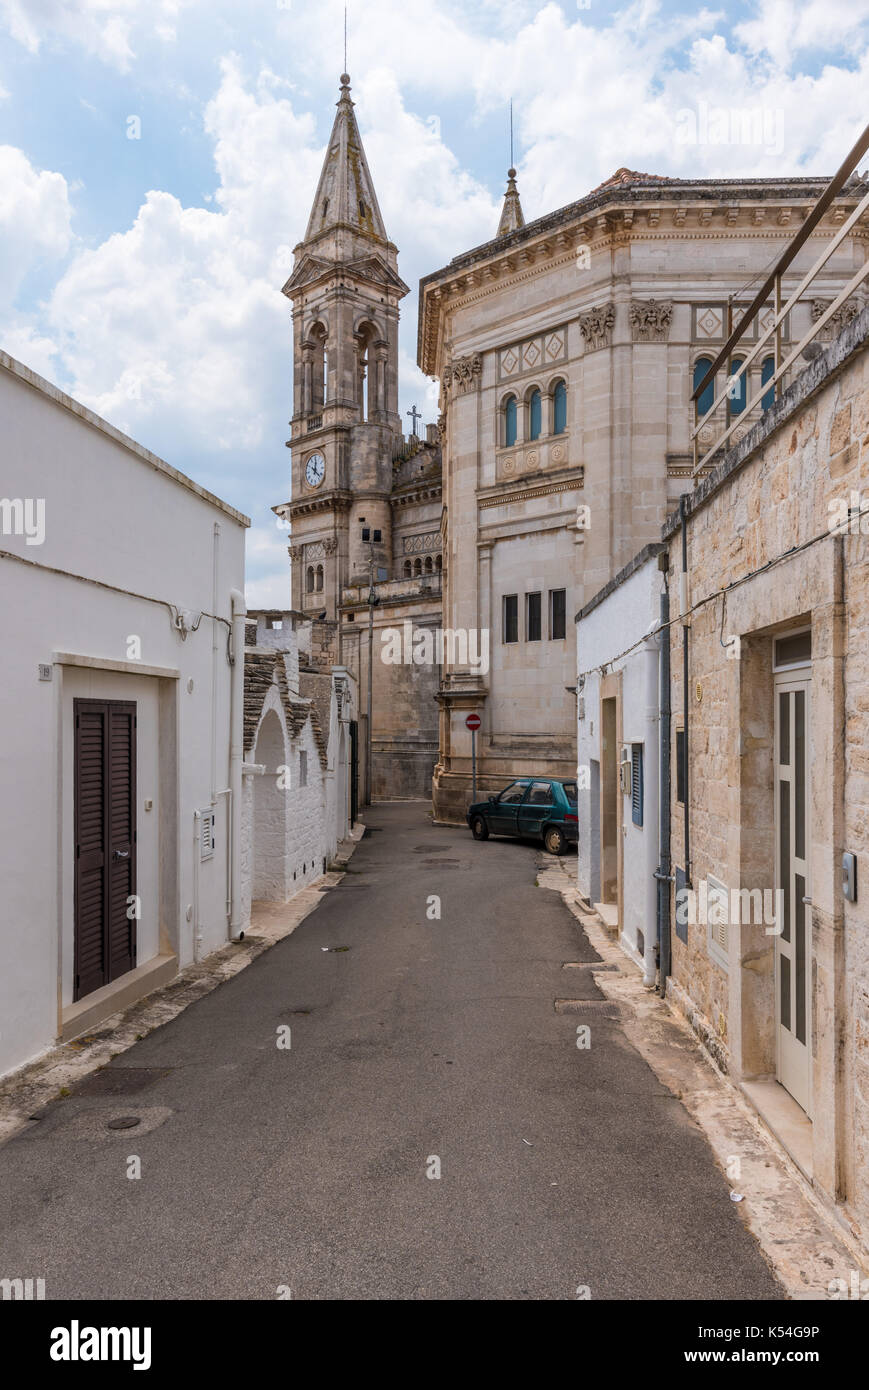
(570, 792)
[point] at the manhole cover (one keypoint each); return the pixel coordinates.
(440, 863)
(123, 1122)
(119, 1081)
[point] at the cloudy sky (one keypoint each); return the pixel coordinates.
(158, 159)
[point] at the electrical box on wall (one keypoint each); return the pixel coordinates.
(206, 834)
(849, 877)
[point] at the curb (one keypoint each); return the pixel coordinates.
(60, 1068)
(804, 1244)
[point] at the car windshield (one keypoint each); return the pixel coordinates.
(570, 792)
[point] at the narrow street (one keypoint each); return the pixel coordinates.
(411, 1039)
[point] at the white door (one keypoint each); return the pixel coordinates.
(793, 944)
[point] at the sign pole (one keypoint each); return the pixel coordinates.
(473, 723)
(473, 765)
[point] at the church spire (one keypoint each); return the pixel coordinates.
(345, 193)
(512, 217)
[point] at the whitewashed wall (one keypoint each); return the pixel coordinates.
(117, 514)
(623, 618)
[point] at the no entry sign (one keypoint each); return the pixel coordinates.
(473, 721)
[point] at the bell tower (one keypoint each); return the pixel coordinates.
(345, 291)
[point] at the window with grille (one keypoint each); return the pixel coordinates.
(557, 614)
(511, 617)
(533, 623)
(637, 783)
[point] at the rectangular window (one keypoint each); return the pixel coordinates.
(303, 769)
(557, 614)
(637, 783)
(680, 765)
(511, 617)
(533, 622)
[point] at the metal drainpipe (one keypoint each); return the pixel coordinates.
(236, 758)
(686, 623)
(665, 873)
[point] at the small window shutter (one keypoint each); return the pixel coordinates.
(637, 783)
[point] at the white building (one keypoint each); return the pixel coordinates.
(618, 703)
(121, 706)
(300, 745)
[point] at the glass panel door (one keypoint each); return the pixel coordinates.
(793, 944)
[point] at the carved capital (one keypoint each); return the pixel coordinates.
(650, 320)
(842, 317)
(597, 326)
(464, 373)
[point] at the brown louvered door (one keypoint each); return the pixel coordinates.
(105, 842)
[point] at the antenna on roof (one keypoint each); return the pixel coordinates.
(511, 134)
(345, 38)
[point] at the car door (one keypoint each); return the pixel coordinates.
(505, 809)
(536, 810)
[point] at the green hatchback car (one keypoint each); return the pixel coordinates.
(533, 808)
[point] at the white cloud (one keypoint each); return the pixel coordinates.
(102, 27)
(34, 219)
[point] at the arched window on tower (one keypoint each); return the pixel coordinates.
(767, 372)
(704, 403)
(408, 569)
(309, 580)
(319, 577)
(367, 394)
(559, 408)
(417, 568)
(428, 564)
(510, 418)
(319, 368)
(439, 564)
(535, 414)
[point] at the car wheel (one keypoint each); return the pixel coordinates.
(479, 828)
(554, 840)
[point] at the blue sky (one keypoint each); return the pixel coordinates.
(143, 274)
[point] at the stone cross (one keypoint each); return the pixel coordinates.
(417, 415)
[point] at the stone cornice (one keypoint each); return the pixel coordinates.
(540, 246)
(498, 497)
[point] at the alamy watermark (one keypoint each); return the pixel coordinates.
(717, 907)
(23, 516)
(732, 125)
(426, 646)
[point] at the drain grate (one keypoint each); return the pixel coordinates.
(597, 1007)
(586, 965)
(120, 1081)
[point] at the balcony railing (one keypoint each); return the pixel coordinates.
(773, 284)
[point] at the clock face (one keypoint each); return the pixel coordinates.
(315, 470)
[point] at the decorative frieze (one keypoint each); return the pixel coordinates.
(597, 326)
(650, 320)
(464, 373)
(534, 353)
(424, 544)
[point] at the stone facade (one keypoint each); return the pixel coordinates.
(366, 501)
(618, 297)
(785, 491)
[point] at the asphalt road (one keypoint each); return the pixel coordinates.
(411, 1040)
